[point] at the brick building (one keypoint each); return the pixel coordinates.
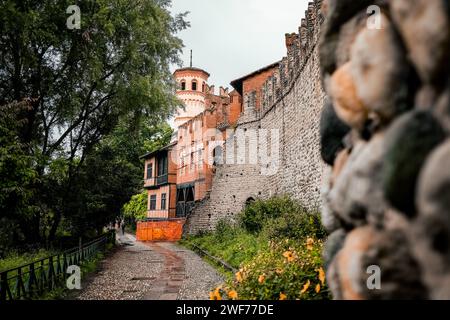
(181, 174)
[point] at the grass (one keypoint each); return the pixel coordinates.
(277, 248)
(236, 248)
(14, 260)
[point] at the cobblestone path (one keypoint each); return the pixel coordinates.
(150, 271)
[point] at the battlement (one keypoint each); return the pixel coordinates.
(299, 49)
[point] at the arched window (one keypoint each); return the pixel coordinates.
(194, 85)
(204, 87)
(249, 201)
(218, 156)
(183, 85)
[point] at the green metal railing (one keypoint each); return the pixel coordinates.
(34, 279)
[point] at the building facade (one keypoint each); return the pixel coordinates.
(181, 174)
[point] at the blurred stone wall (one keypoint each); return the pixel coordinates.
(385, 132)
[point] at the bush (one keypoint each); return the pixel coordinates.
(295, 225)
(270, 269)
(225, 230)
(288, 271)
(256, 214)
(135, 210)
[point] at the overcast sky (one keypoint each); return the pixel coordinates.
(231, 38)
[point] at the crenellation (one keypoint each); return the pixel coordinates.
(299, 47)
(291, 100)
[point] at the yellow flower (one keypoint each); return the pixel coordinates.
(215, 295)
(283, 296)
(318, 288)
(289, 256)
(239, 276)
(232, 294)
(310, 244)
(261, 279)
(306, 287)
(322, 276)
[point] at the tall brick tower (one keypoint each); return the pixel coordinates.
(192, 89)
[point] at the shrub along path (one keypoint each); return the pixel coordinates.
(151, 271)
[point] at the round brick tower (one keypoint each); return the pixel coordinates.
(192, 88)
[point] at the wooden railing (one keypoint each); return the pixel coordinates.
(34, 279)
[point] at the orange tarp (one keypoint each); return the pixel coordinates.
(167, 230)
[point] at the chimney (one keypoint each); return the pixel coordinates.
(223, 91)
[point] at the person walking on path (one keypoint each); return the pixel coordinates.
(123, 228)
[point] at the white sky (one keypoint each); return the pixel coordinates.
(231, 38)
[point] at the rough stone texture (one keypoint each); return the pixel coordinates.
(347, 104)
(387, 198)
(432, 228)
(357, 195)
(425, 27)
(379, 70)
(332, 131)
(292, 103)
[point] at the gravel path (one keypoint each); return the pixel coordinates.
(151, 271)
(201, 277)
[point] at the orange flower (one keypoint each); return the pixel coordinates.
(215, 295)
(310, 244)
(318, 288)
(283, 296)
(322, 276)
(289, 256)
(239, 276)
(306, 287)
(261, 279)
(233, 295)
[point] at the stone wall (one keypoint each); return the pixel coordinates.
(291, 104)
(386, 133)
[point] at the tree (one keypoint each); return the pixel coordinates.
(136, 208)
(17, 175)
(81, 85)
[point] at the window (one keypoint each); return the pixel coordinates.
(190, 195)
(163, 201)
(217, 155)
(204, 87)
(183, 85)
(153, 202)
(200, 158)
(194, 85)
(149, 171)
(162, 166)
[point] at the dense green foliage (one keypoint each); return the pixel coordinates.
(280, 217)
(136, 208)
(282, 260)
(15, 259)
(77, 109)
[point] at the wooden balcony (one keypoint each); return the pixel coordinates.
(157, 181)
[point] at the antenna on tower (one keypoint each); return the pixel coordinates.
(191, 59)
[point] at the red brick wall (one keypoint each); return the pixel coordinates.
(255, 83)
